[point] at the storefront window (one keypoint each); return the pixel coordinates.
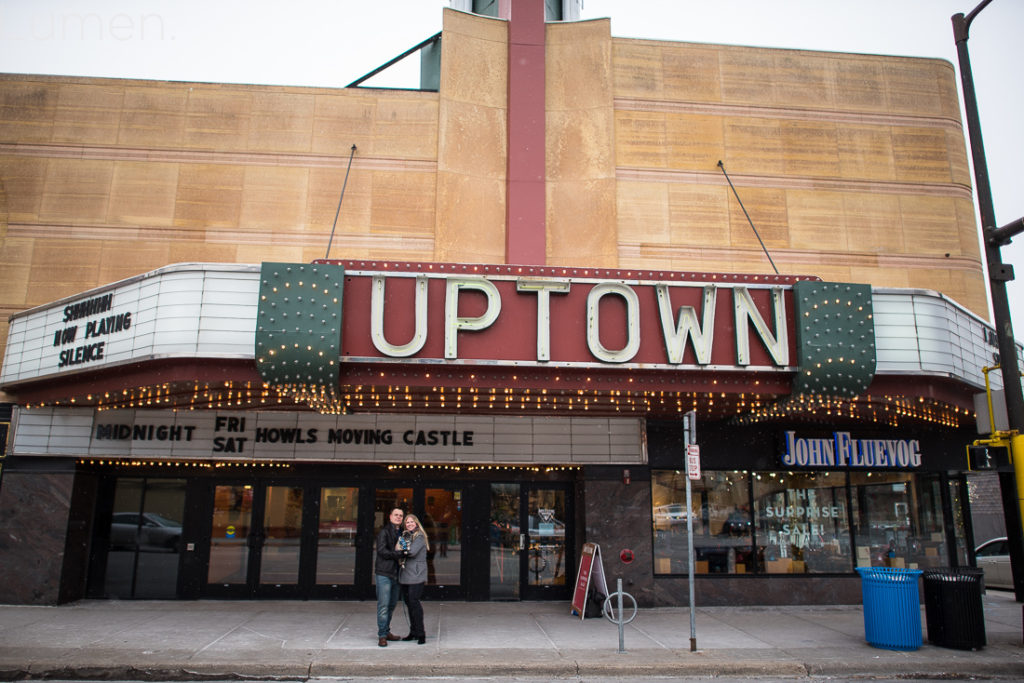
(898, 519)
(957, 496)
(721, 523)
(801, 522)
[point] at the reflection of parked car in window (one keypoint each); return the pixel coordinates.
(666, 516)
(343, 530)
(993, 558)
(737, 524)
(155, 531)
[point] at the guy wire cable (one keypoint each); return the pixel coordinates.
(343, 185)
(764, 248)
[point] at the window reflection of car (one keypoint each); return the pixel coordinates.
(666, 516)
(993, 558)
(736, 524)
(338, 530)
(155, 531)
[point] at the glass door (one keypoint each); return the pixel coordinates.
(281, 539)
(255, 540)
(506, 542)
(531, 544)
(440, 512)
(337, 536)
(229, 537)
(384, 501)
(442, 520)
(144, 540)
(548, 558)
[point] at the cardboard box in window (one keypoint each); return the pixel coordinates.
(931, 551)
(700, 567)
(663, 565)
(782, 566)
(741, 568)
(898, 562)
(799, 567)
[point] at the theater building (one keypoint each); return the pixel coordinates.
(539, 267)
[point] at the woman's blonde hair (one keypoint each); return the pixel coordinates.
(419, 528)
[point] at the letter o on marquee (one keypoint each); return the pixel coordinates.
(632, 346)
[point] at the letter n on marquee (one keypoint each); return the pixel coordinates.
(298, 324)
(835, 338)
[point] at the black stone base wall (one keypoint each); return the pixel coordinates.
(34, 510)
(774, 590)
(618, 517)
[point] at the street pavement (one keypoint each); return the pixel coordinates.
(208, 640)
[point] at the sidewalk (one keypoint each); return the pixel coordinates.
(203, 640)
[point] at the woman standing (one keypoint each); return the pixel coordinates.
(413, 576)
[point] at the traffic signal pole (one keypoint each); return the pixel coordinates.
(1011, 483)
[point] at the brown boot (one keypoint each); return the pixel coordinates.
(382, 642)
(392, 636)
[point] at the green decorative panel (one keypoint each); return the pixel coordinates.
(835, 338)
(298, 325)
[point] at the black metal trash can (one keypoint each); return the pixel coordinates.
(953, 609)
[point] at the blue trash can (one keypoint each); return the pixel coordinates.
(892, 607)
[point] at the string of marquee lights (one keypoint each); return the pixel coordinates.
(189, 464)
(743, 407)
(888, 410)
(487, 468)
(261, 464)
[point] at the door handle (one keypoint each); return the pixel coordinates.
(522, 541)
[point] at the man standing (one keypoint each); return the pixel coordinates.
(386, 570)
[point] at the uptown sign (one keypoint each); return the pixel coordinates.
(311, 314)
(613, 319)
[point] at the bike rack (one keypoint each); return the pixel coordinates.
(609, 613)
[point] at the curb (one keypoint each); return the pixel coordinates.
(567, 668)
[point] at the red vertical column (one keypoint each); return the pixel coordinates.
(525, 229)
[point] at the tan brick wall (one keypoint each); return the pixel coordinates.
(127, 164)
(472, 136)
(852, 167)
(579, 146)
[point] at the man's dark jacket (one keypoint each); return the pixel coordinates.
(386, 563)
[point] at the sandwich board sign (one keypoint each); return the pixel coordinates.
(591, 571)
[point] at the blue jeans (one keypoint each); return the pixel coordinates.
(387, 597)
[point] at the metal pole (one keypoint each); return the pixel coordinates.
(998, 273)
(622, 625)
(690, 422)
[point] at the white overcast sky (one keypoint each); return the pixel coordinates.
(330, 43)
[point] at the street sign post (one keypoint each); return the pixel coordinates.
(693, 462)
(690, 427)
